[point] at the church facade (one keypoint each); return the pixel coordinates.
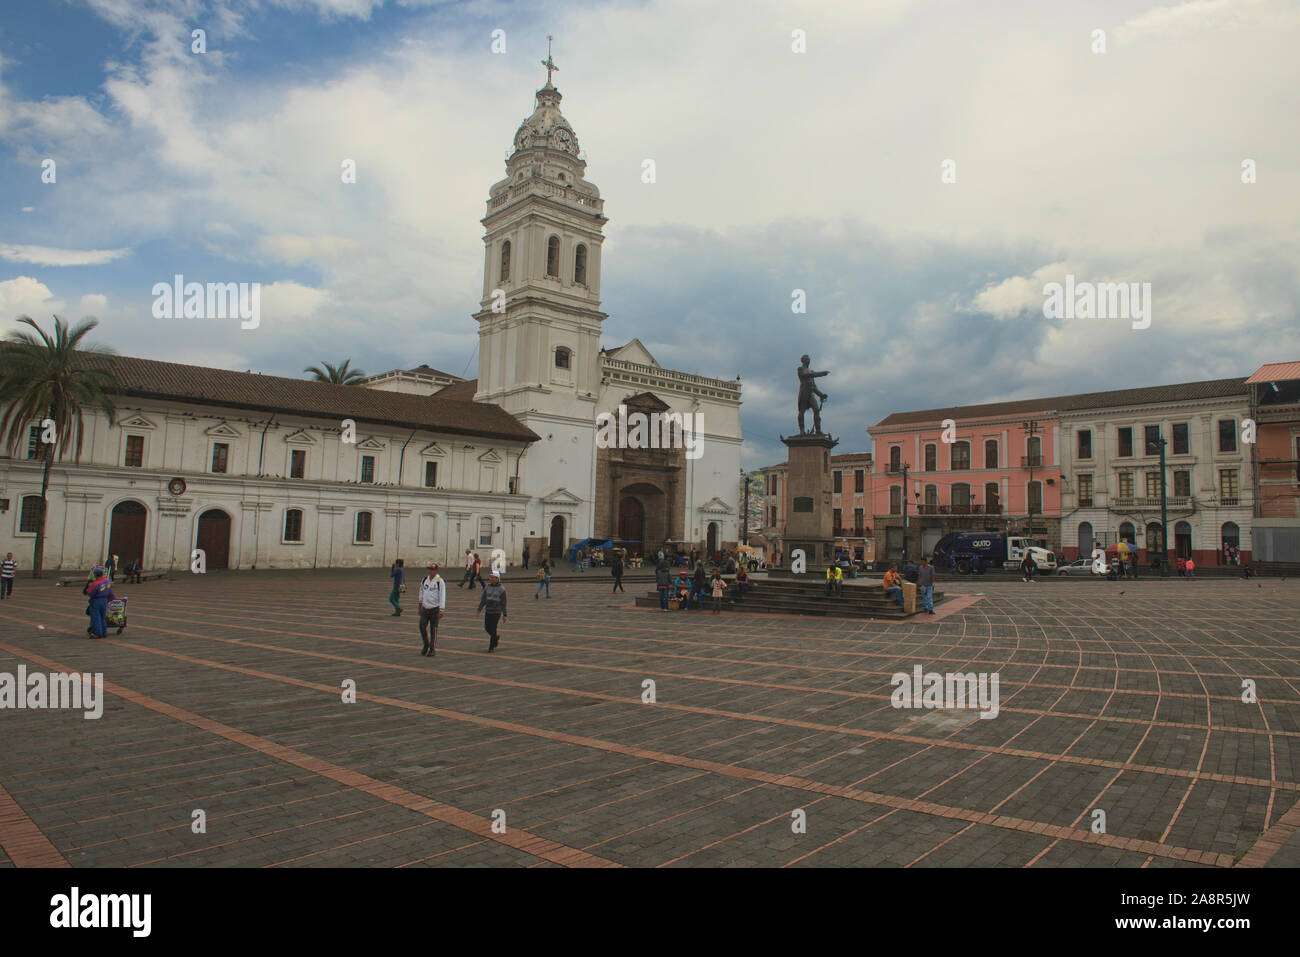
(540, 359)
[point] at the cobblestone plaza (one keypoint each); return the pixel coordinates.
(225, 695)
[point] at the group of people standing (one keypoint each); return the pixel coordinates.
(694, 587)
(433, 604)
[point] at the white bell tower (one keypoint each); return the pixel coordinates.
(539, 321)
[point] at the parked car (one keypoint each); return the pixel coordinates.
(1080, 566)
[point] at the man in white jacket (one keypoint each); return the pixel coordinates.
(433, 602)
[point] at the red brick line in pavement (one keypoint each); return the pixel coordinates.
(717, 712)
(1271, 841)
(24, 843)
(478, 825)
(799, 689)
(400, 797)
(931, 650)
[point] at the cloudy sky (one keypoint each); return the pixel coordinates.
(776, 171)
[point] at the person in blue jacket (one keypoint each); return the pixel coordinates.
(99, 590)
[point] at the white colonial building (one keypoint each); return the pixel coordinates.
(256, 471)
(267, 472)
(1110, 466)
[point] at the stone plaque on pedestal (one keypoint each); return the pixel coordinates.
(810, 521)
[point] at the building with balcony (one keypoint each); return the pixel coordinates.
(993, 469)
(1111, 476)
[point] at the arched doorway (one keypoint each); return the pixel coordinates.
(126, 532)
(1085, 539)
(1230, 535)
(1128, 533)
(711, 541)
(1183, 540)
(557, 537)
(631, 520)
(214, 538)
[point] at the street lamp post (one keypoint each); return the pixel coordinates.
(1030, 427)
(903, 469)
(1164, 509)
(744, 535)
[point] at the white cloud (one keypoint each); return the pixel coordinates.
(1016, 295)
(297, 249)
(25, 296)
(290, 301)
(49, 256)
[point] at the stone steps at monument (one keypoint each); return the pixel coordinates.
(805, 599)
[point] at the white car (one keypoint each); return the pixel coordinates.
(1080, 566)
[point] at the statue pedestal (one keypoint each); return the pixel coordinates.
(810, 521)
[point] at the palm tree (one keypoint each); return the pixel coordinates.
(48, 380)
(338, 375)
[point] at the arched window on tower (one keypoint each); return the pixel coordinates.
(562, 357)
(580, 265)
(505, 260)
(553, 257)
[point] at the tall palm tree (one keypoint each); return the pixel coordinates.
(338, 375)
(48, 378)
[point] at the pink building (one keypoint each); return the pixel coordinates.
(995, 468)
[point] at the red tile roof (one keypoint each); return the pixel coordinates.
(1277, 372)
(150, 379)
(463, 390)
(1180, 392)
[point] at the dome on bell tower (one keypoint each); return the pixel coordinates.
(547, 128)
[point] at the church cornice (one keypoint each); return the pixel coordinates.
(563, 201)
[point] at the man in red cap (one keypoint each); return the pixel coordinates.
(433, 602)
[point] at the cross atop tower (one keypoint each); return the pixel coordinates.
(548, 62)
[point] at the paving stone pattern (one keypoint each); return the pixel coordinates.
(224, 694)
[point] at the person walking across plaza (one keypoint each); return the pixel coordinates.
(719, 587)
(99, 590)
(398, 574)
(543, 578)
(1027, 568)
(493, 602)
(1191, 567)
(7, 569)
(525, 556)
(663, 582)
(925, 582)
(618, 574)
(893, 585)
(433, 603)
(469, 570)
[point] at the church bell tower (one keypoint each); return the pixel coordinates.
(539, 319)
